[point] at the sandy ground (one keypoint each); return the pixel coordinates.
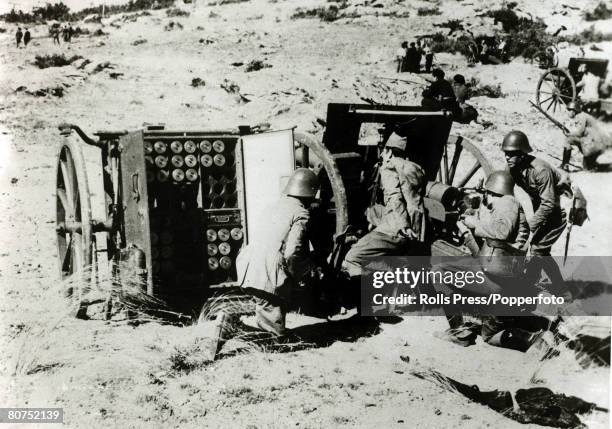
(127, 376)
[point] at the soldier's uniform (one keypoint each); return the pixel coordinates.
(543, 184)
(586, 133)
(278, 262)
(403, 183)
(504, 228)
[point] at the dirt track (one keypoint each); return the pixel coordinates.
(125, 374)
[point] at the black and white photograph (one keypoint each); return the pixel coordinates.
(305, 213)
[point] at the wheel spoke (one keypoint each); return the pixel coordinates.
(66, 258)
(74, 182)
(469, 174)
(67, 183)
(61, 195)
(454, 162)
(550, 104)
(544, 101)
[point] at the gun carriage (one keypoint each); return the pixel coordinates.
(181, 204)
(557, 86)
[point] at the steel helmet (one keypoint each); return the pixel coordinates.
(572, 105)
(396, 142)
(516, 140)
(302, 183)
(500, 182)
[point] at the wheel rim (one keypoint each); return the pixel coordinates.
(74, 235)
(306, 144)
(556, 88)
(463, 164)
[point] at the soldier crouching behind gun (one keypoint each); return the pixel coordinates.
(502, 225)
(400, 227)
(281, 259)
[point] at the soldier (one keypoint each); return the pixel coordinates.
(18, 36)
(55, 33)
(501, 223)
(26, 37)
(399, 229)
(544, 185)
(429, 57)
(403, 184)
(282, 259)
(440, 93)
(586, 133)
(400, 55)
(411, 58)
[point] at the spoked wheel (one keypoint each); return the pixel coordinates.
(556, 88)
(463, 164)
(74, 231)
(312, 154)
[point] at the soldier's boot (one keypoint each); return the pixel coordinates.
(565, 159)
(459, 332)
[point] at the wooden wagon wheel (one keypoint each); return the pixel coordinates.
(556, 88)
(323, 159)
(463, 164)
(73, 209)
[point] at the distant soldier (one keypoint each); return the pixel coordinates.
(281, 259)
(586, 133)
(588, 89)
(418, 57)
(400, 56)
(55, 33)
(429, 57)
(544, 185)
(70, 33)
(26, 37)
(18, 36)
(440, 94)
(411, 57)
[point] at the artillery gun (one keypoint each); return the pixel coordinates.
(180, 204)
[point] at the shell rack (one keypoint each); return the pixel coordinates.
(196, 210)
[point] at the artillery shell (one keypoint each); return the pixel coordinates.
(160, 146)
(218, 146)
(189, 146)
(224, 234)
(162, 176)
(191, 174)
(225, 262)
(206, 160)
(176, 146)
(236, 233)
(148, 147)
(166, 252)
(212, 249)
(178, 175)
(191, 161)
(161, 161)
(205, 146)
(219, 160)
(177, 161)
(225, 248)
(213, 264)
(211, 235)
(166, 237)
